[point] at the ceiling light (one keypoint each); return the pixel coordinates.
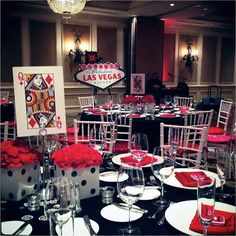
(172, 4)
(67, 7)
(205, 9)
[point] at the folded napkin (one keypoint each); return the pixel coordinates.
(99, 112)
(4, 102)
(136, 115)
(145, 161)
(228, 228)
(105, 107)
(190, 179)
(93, 109)
(167, 115)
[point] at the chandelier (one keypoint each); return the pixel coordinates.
(67, 7)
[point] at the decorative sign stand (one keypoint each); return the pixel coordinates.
(102, 75)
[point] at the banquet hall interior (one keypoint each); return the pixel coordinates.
(157, 66)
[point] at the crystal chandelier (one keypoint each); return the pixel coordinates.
(67, 7)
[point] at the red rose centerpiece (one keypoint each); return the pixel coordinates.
(80, 163)
(20, 170)
(148, 103)
(130, 103)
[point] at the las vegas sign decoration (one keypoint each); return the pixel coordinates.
(100, 75)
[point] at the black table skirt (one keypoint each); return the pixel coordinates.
(7, 112)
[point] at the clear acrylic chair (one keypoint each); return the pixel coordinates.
(222, 119)
(86, 102)
(183, 101)
(191, 143)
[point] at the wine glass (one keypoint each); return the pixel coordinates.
(162, 170)
(130, 188)
(59, 203)
(174, 141)
(97, 139)
(223, 168)
(206, 202)
(139, 146)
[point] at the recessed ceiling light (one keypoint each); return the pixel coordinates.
(172, 4)
(205, 9)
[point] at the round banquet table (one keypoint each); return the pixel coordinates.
(92, 207)
(143, 125)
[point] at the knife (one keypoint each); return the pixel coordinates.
(89, 226)
(133, 209)
(21, 228)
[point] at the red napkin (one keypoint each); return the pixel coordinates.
(228, 228)
(99, 113)
(183, 110)
(136, 115)
(145, 161)
(93, 109)
(105, 107)
(167, 115)
(189, 179)
(4, 101)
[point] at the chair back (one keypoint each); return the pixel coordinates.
(223, 115)
(191, 142)
(183, 101)
(86, 102)
(85, 128)
(4, 95)
(123, 124)
(4, 131)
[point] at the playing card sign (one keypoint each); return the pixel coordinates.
(39, 100)
(102, 75)
(137, 85)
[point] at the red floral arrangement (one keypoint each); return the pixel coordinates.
(17, 153)
(130, 99)
(77, 156)
(148, 99)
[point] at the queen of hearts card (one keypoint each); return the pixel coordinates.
(39, 100)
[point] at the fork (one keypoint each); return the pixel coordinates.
(89, 226)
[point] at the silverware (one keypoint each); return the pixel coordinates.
(89, 226)
(159, 209)
(133, 209)
(161, 221)
(115, 173)
(21, 228)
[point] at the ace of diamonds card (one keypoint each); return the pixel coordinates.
(39, 100)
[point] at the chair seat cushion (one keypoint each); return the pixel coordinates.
(121, 147)
(181, 151)
(215, 131)
(218, 138)
(70, 130)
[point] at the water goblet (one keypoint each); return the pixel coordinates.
(139, 146)
(206, 202)
(162, 170)
(223, 168)
(130, 188)
(60, 201)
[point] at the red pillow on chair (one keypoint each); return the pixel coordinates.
(216, 130)
(218, 138)
(121, 147)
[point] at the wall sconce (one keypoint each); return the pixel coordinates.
(189, 58)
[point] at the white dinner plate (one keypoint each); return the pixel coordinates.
(150, 193)
(180, 215)
(117, 159)
(109, 176)
(172, 181)
(117, 214)
(80, 227)
(9, 227)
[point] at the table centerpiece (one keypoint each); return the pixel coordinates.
(148, 103)
(20, 170)
(130, 103)
(80, 163)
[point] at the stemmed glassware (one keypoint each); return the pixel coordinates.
(162, 170)
(139, 146)
(130, 187)
(206, 202)
(59, 203)
(97, 139)
(174, 141)
(223, 168)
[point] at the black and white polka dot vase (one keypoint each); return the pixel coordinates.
(18, 183)
(87, 178)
